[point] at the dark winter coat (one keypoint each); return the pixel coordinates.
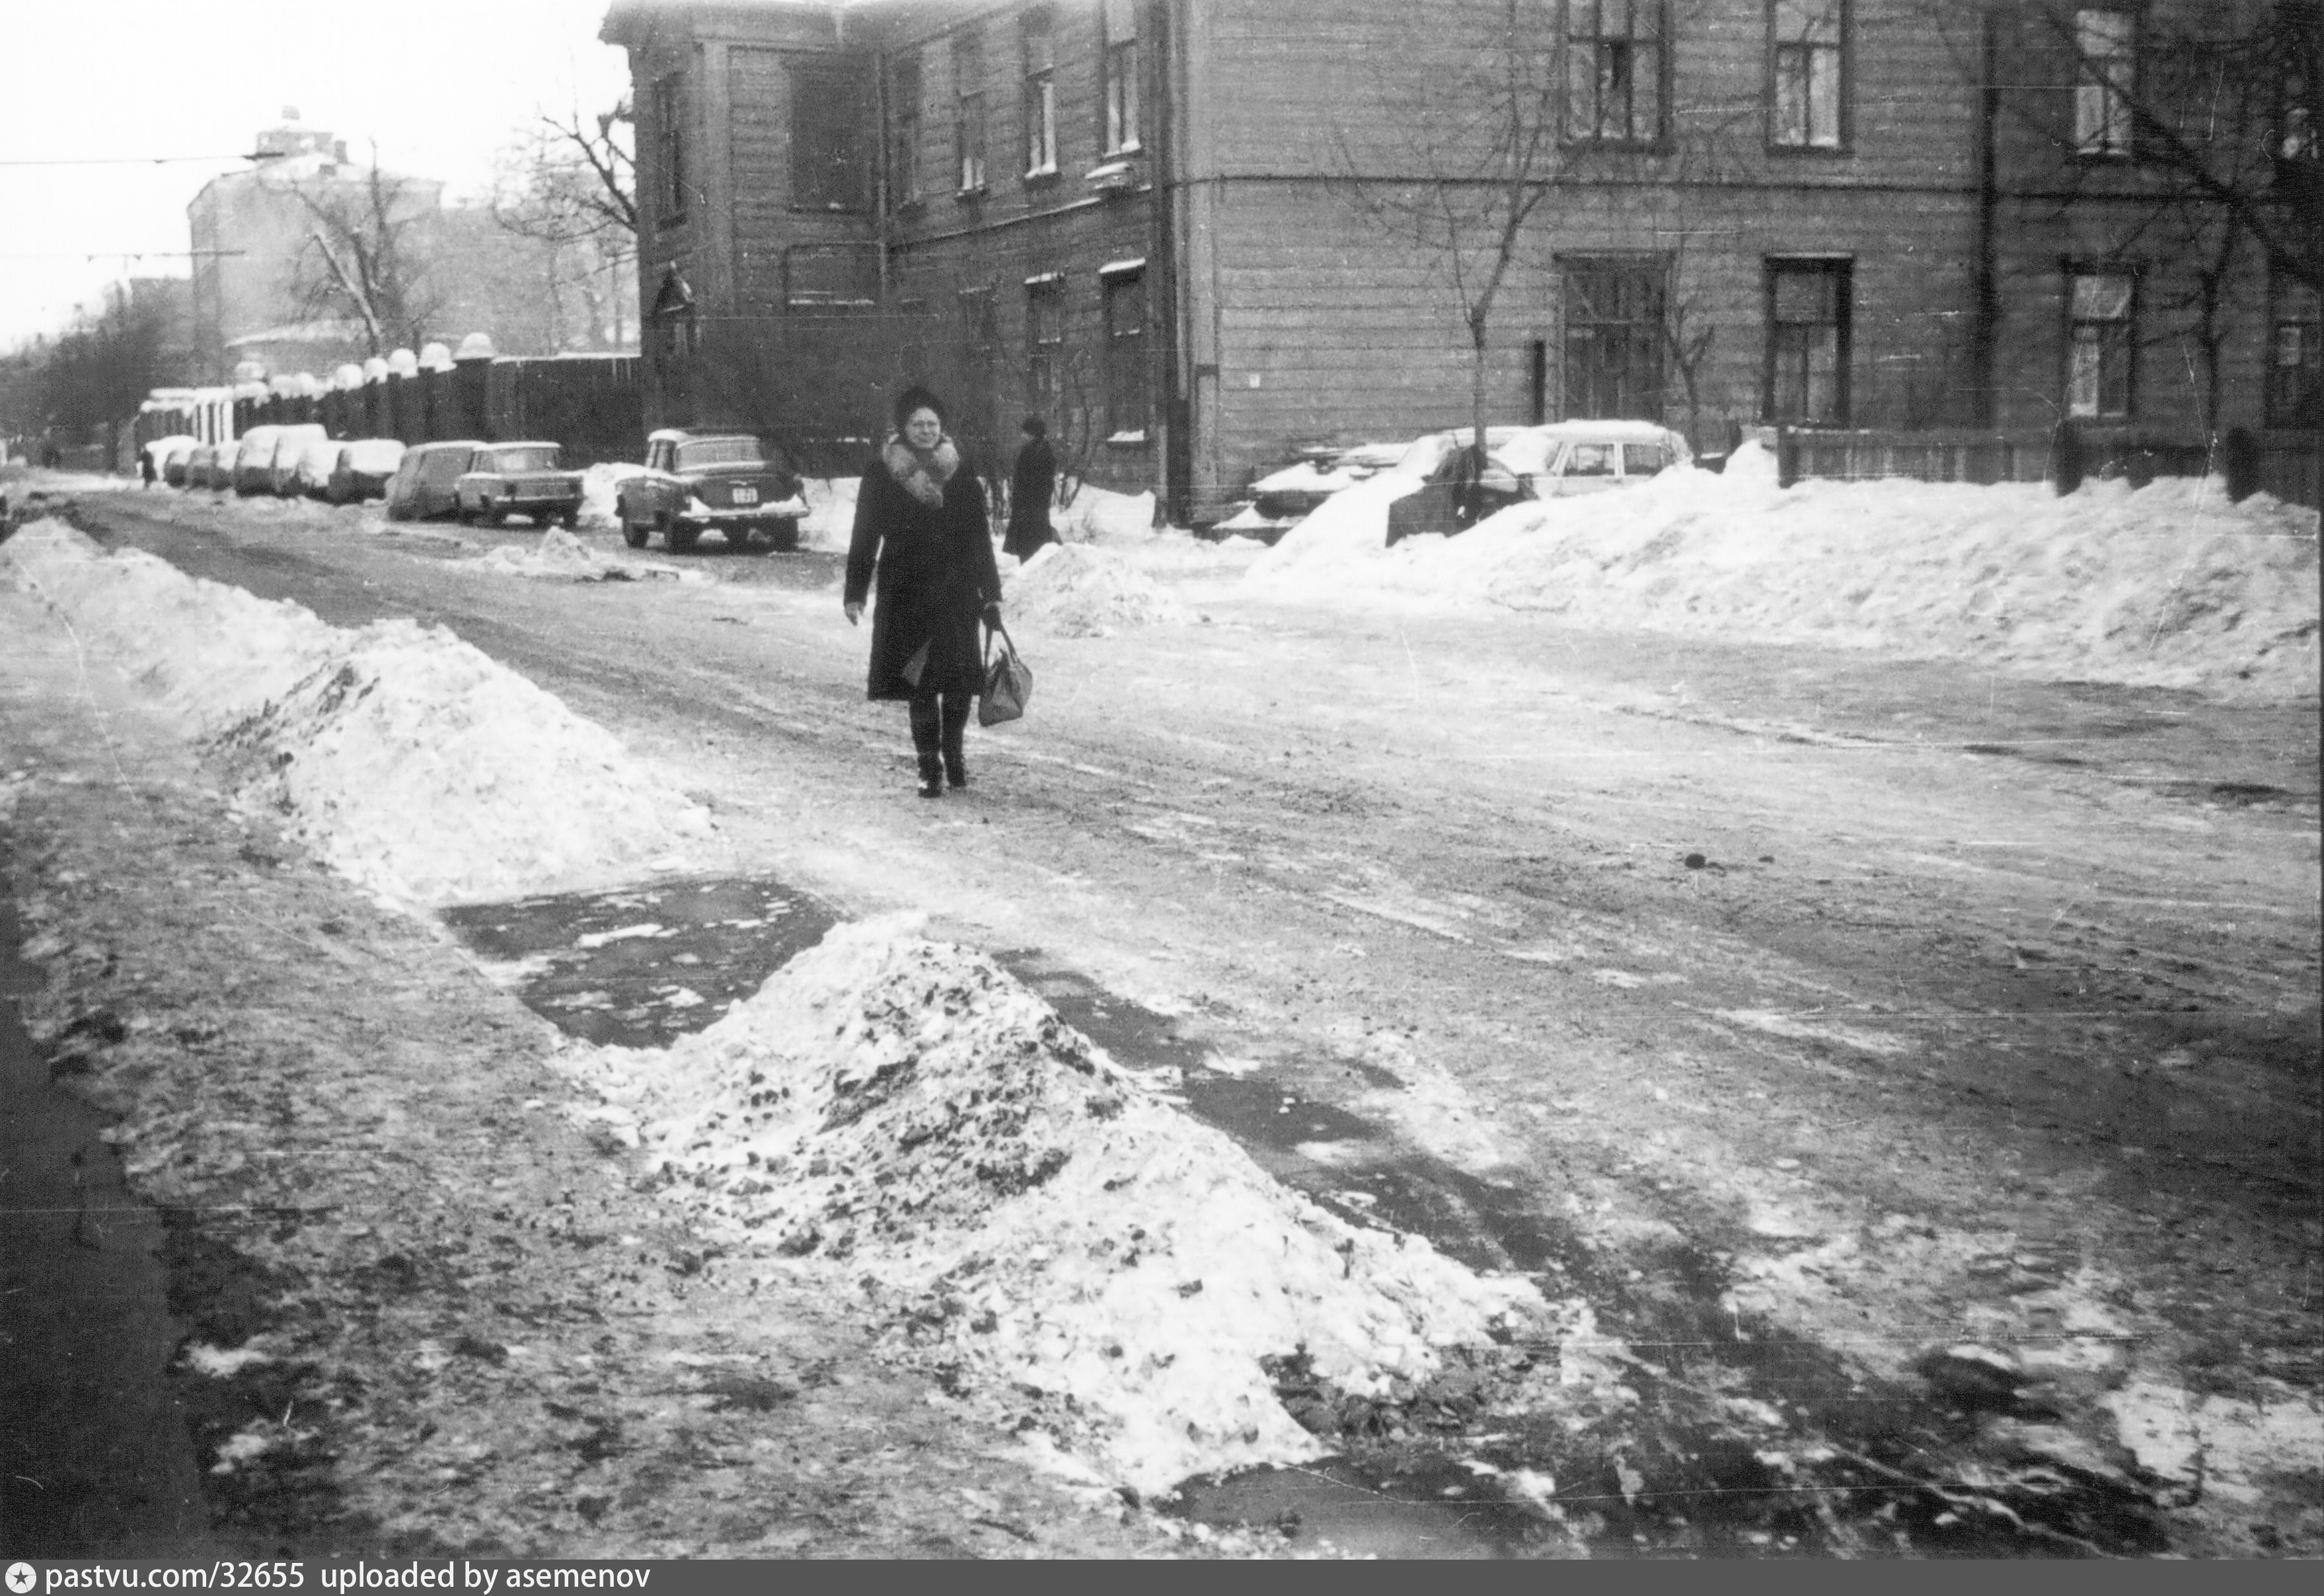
(933, 570)
(1031, 488)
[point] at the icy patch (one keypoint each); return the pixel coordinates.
(1079, 590)
(2225, 1446)
(1030, 1219)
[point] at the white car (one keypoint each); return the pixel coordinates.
(311, 467)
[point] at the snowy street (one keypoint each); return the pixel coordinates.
(1865, 1095)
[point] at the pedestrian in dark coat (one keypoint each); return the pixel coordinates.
(1031, 486)
(923, 538)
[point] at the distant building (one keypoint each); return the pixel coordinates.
(1162, 223)
(248, 231)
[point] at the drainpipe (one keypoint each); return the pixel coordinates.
(1162, 295)
(1985, 333)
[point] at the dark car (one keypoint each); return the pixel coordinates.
(427, 484)
(729, 483)
(509, 479)
(363, 469)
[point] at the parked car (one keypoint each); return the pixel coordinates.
(281, 470)
(173, 464)
(425, 483)
(509, 479)
(203, 463)
(361, 470)
(729, 483)
(310, 468)
(1557, 460)
(161, 450)
(254, 454)
(1282, 499)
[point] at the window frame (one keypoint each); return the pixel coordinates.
(1045, 357)
(1039, 99)
(904, 125)
(2074, 272)
(1841, 271)
(1120, 113)
(809, 79)
(2116, 112)
(669, 129)
(1659, 266)
(970, 121)
(1126, 379)
(1657, 14)
(1843, 54)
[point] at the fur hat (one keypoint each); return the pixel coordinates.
(916, 398)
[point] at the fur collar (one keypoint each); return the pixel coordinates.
(923, 476)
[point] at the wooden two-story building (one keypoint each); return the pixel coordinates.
(1195, 233)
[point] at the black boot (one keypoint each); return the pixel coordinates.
(955, 731)
(932, 776)
(955, 768)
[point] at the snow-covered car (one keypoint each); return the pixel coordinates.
(173, 463)
(311, 467)
(280, 473)
(426, 481)
(734, 484)
(1282, 499)
(210, 466)
(1555, 460)
(157, 453)
(507, 479)
(361, 469)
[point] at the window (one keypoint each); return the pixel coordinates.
(1040, 95)
(2106, 47)
(1045, 341)
(669, 131)
(2100, 305)
(1119, 44)
(829, 277)
(1807, 343)
(2296, 87)
(904, 131)
(1806, 38)
(828, 118)
(1125, 354)
(968, 109)
(2295, 379)
(1643, 459)
(1614, 62)
(1614, 312)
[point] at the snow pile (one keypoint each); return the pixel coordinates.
(830, 513)
(1081, 590)
(409, 761)
(1098, 516)
(599, 485)
(2167, 586)
(1044, 1229)
(560, 557)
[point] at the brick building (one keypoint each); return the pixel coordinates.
(1196, 233)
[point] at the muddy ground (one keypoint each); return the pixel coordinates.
(1809, 1013)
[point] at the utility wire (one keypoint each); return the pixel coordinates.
(126, 159)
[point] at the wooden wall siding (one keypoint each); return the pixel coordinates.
(1298, 90)
(766, 226)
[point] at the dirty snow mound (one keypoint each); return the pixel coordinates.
(1033, 1219)
(1099, 516)
(1080, 590)
(560, 557)
(599, 485)
(830, 521)
(1347, 530)
(409, 761)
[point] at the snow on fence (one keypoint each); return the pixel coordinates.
(2283, 464)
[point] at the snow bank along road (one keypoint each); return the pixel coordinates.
(1859, 1103)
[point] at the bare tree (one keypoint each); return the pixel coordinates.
(362, 259)
(1478, 143)
(570, 184)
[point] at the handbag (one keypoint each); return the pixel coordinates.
(1008, 679)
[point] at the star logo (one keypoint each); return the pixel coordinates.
(21, 1578)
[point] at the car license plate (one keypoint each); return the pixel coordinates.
(746, 496)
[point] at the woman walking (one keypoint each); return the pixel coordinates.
(1031, 487)
(921, 528)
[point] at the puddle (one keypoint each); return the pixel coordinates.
(642, 967)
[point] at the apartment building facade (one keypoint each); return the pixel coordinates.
(1195, 233)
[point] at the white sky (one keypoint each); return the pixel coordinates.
(441, 85)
